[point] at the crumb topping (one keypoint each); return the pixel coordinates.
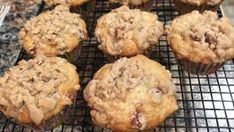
(33, 85)
(68, 2)
(123, 24)
(58, 30)
(212, 35)
(56, 2)
(126, 75)
(201, 2)
(124, 87)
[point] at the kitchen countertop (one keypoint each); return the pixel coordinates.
(227, 9)
(15, 19)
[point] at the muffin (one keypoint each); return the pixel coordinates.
(127, 32)
(127, 96)
(187, 6)
(145, 5)
(201, 42)
(83, 7)
(67, 2)
(56, 32)
(36, 92)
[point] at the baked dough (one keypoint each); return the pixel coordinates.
(202, 38)
(202, 2)
(53, 32)
(68, 2)
(128, 32)
(36, 90)
(131, 94)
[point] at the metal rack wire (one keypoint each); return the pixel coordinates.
(206, 103)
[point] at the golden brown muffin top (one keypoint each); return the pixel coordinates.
(128, 32)
(53, 32)
(35, 90)
(202, 37)
(131, 94)
(67, 2)
(202, 2)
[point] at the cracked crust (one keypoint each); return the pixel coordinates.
(128, 32)
(36, 90)
(202, 38)
(127, 96)
(53, 32)
(68, 2)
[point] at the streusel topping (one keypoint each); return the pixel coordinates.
(68, 2)
(123, 24)
(57, 30)
(201, 2)
(124, 87)
(203, 36)
(56, 2)
(33, 85)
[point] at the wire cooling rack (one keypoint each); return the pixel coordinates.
(205, 102)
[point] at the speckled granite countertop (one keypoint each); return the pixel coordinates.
(227, 8)
(20, 11)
